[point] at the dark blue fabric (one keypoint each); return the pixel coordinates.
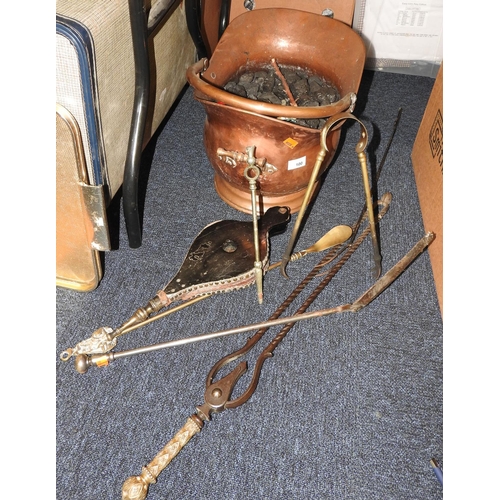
(349, 407)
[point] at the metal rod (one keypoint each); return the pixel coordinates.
(388, 146)
(305, 203)
(158, 12)
(369, 209)
(252, 173)
(374, 291)
(168, 312)
(378, 172)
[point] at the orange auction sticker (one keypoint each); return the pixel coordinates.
(103, 361)
(291, 143)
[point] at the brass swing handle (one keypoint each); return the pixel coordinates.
(205, 90)
(136, 487)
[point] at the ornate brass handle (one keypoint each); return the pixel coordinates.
(216, 397)
(232, 157)
(136, 487)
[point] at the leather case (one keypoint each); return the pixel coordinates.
(81, 228)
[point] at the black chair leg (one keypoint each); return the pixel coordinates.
(193, 19)
(138, 21)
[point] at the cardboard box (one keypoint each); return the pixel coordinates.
(401, 36)
(427, 159)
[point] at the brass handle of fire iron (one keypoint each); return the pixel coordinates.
(136, 487)
(335, 122)
(305, 112)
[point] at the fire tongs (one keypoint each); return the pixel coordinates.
(332, 123)
(218, 393)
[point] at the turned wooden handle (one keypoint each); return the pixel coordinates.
(136, 487)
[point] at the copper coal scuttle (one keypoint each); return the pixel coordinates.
(285, 149)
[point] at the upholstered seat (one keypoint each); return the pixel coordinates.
(97, 106)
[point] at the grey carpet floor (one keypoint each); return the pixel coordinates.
(351, 405)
